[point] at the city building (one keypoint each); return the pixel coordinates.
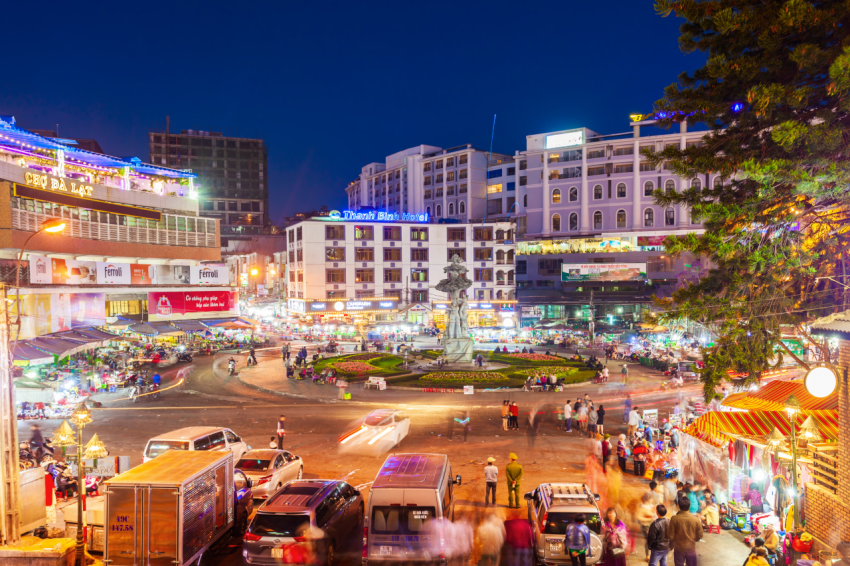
(589, 227)
(460, 183)
(128, 240)
(351, 265)
(232, 176)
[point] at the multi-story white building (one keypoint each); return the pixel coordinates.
(333, 262)
(460, 183)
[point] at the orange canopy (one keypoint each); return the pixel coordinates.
(772, 397)
(718, 427)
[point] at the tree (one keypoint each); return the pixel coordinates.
(774, 95)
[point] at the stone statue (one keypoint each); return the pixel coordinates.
(457, 344)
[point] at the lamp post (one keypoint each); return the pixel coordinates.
(792, 407)
(51, 226)
(64, 436)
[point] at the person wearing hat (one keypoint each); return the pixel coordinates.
(491, 475)
(513, 471)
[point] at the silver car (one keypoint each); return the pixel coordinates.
(551, 508)
(269, 470)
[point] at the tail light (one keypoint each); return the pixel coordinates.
(300, 539)
(542, 525)
(248, 537)
(265, 479)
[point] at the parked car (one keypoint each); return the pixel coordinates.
(387, 426)
(553, 506)
(196, 438)
(268, 470)
(306, 521)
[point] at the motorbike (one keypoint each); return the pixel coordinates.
(143, 391)
(672, 383)
(231, 368)
(184, 357)
(26, 457)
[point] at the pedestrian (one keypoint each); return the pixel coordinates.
(592, 419)
(491, 534)
(685, 530)
(605, 374)
(273, 443)
(586, 400)
(657, 539)
(622, 452)
(615, 537)
(513, 473)
(600, 421)
(645, 516)
(582, 418)
(519, 539)
(281, 422)
(491, 475)
(568, 417)
(625, 373)
(577, 541)
(606, 452)
(515, 415)
(640, 451)
(634, 421)
(627, 408)
(506, 410)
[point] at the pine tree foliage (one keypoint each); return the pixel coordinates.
(775, 94)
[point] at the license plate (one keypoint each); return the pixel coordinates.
(386, 550)
(554, 547)
(277, 553)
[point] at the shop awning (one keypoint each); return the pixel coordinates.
(58, 346)
(78, 337)
(143, 328)
(772, 397)
(190, 325)
(164, 328)
(718, 427)
(97, 333)
(232, 323)
(122, 322)
(24, 352)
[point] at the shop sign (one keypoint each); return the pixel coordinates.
(51, 183)
(468, 389)
(386, 304)
(318, 306)
(209, 274)
(261, 290)
(603, 272)
(358, 305)
(349, 306)
(58, 271)
(296, 305)
(177, 302)
(379, 216)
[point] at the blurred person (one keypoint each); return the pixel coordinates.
(568, 417)
(506, 409)
(592, 420)
(491, 476)
(771, 539)
(657, 496)
(711, 514)
(281, 432)
(615, 538)
(513, 472)
(627, 408)
(519, 539)
(491, 534)
(515, 416)
(758, 557)
(577, 541)
(639, 460)
(843, 549)
(605, 446)
(670, 489)
(582, 418)
(622, 452)
(634, 421)
(645, 516)
(273, 443)
(657, 539)
(600, 421)
(685, 530)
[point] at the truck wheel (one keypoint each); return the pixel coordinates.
(241, 526)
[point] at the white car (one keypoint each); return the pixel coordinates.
(384, 427)
(269, 470)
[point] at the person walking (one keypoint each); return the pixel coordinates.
(645, 516)
(506, 410)
(592, 420)
(657, 539)
(625, 373)
(491, 534)
(281, 424)
(615, 537)
(627, 408)
(491, 476)
(568, 417)
(582, 418)
(577, 541)
(685, 530)
(622, 452)
(606, 452)
(600, 421)
(515, 416)
(519, 539)
(513, 472)
(634, 421)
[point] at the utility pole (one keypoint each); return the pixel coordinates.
(592, 319)
(10, 491)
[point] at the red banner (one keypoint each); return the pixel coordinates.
(179, 302)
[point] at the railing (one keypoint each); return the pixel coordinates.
(825, 465)
(32, 221)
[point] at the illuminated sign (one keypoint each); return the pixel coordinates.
(318, 306)
(380, 216)
(364, 305)
(603, 272)
(52, 183)
(565, 139)
(636, 117)
(358, 305)
(386, 304)
(295, 305)
(339, 305)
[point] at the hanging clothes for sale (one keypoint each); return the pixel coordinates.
(781, 499)
(740, 454)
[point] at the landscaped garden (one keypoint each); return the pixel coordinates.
(359, 367)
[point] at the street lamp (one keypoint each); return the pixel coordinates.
(792, 407)
(51, 226)
(820, 381)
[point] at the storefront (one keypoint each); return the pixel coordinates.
(350, 311)
(494, 314)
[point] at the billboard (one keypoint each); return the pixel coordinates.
(209, 274)
(171, 303)
(603, 272)
(43, 313)
(58, 271)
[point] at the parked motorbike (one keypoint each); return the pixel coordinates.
(26, 457)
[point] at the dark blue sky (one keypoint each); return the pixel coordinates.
(332, 85)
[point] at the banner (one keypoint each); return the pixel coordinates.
(58, 271)
(178, 302)
(209, 274)
(603, 272)
(43, 313)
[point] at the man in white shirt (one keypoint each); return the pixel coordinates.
(491, 475)
(634, 421)
(568, 417)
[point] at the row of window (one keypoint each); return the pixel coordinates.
(648, 220)
(438, 210)
(450, 176)
(450, 162)
(232, 206)
(654, 264)
(450, 191)
(417, 275)
(393, 233)
(416, 254)
(648, 189)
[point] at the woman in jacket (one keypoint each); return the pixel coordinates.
(622, 453)
(615, 537)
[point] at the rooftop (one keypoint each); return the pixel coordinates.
(412, 471)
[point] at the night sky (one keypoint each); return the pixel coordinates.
(332, 86)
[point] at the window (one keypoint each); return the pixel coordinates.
(694, 218)
(428, 210)
(482, 254)
(493, 189)
(573, 221)
(521, 267)
(621, 190)
(597, 192)
(334, 276)
(419, 275)
(662, 264)
(334, 232)
(696, 184)
(573, 194)
(418, 296)
(693, 144)
(450, 176)
(462, 174)
(439, 210)
(484, 274)
(494, 207)
(494, 174)
(596, 154)
(549, 266)
(624, 168)
(670, 186)
(427, 180)
(483, 234)
(597, 220)
(511, 186)
(298, 233)
(456, 234)
(364, 275)
(460, 252)
(427, 167)
(364, 233)
(439, 192)
(334, 254)
(644, 166)
(439, 178)
(718, 182)
(392, 275)
(511, 171)
(392, 232)
(364, 254)
(621, 219)
(624, 151)
(648, 188)
(556, 196)
(648, 217)
(669, 217)
(462, 160)
(461, 190)
(556, 223)
(419, 234)
(523, 181)
(231, 206)
(591, 171)
(451, 209)
(450, 162)
(525, 201)
(392, 254)
(439, 164)
(418, 254)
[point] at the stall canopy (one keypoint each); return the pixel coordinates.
(232, 323)
(143, 328)
(716, 427)
(165, 328)
(122, 322)
(74, 336)
(190, 325)
(24, 353)
(58, 346)
(96, 333)
(773, 395)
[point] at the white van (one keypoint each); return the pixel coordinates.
(407, 501)
(196, 438)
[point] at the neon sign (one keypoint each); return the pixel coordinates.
(379, 216)
(56, 184)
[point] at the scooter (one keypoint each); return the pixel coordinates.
(184, 357)
(231, 368)
(144, 392)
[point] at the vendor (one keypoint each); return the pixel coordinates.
(771, 539)
(711, 514)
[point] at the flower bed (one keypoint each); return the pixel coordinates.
(355, 367)
(465, 376)
(560, 372)
(363, 357)
(535, 357)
